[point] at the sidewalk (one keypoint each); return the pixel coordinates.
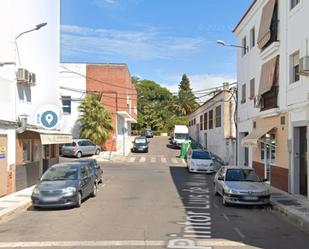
(14, 201)
(293, 207)
(106, 156)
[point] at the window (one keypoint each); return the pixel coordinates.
(66, 104)
(270, 150)
(294, 3)
(252, 37)
(26, 150)
(205, 121)
(244, 45)
(211, 120)
(243, 93)
(201, 122)
(46, 151)
(252, 88)
(218, 116)
(53, 150)
(294, 61)
(194, 121)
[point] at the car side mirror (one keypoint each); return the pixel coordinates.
(220, 179)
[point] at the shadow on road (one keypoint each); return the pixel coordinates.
(207, 218)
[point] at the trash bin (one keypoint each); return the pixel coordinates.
(194, 145)
(184, 148)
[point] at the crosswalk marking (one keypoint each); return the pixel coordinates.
(174, 160)
(142, 159)
(132, 159)
(153, 160)
(163, 160)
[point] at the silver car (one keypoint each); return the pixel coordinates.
(79, 148)
(240, 185)
(200, 161)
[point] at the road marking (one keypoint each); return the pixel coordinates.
(216, 206)
(174, 160)
(239, 232)
(153, 160)
(225, 217)
(124, 243)
(132, 159)
(163, 160)
(142, 160)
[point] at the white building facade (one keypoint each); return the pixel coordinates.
(26, 47)
(212, 125)
(273, 92)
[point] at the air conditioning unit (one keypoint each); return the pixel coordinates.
(304, 66)
(32, 79)
(22, 76)
(257, 101)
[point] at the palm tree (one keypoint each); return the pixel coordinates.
(96, 121)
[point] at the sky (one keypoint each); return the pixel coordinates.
(159, 40)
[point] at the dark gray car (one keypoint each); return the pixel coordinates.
(65, 184)
(95, 167)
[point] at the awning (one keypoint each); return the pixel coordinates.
(53, 137)
(264, 31)
(127, 117)
(253, 138)
(268, 75)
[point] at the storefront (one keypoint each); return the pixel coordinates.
(270, 154)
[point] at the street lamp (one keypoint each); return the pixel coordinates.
(37, 27)
(220, 42)
(7, 63)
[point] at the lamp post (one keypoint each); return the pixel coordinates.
(223, 43)
(37, 27)
(220, 42)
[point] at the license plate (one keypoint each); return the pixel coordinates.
(51, 199)
(251, 198)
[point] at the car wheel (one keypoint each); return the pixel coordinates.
(79, 200)
(97, 152)
(215, 190)
(79, 154)
(94, 190)
(224, 202)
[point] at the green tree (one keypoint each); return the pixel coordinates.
(186, 102)
(96, 121)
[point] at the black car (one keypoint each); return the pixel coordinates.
(95, 167)
(148, 133)
(65, 184)
(140, 144)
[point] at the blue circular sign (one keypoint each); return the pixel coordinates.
(49, 119)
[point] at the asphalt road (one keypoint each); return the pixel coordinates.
(152, 203)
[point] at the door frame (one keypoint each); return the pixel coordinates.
(295, 160)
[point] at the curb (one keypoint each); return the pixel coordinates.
(292, 216)
(11, 210)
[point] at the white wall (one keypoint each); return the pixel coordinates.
(38, 52)
(74, 85)
(217, 143)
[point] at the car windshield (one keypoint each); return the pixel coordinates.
(60, 173)
(245, 175)
(181, 136)
(201, 155)
(140, 141)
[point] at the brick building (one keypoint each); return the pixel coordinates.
(119, 97)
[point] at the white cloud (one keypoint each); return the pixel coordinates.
(140, 45)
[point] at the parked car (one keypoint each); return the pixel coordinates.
(240, 185)
(95, 167)
(80, 147)
(148, 133)
(140, 144)
(200, 161)
(65, 184)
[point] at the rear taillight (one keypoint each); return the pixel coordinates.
(74, 148)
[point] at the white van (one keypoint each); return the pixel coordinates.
(180, 134)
